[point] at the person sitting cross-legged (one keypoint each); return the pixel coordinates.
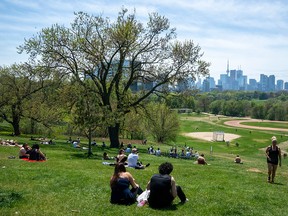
(163, 188)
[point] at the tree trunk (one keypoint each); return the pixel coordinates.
(16, 120)
(89, 146)
(16, 127)
(114, 135)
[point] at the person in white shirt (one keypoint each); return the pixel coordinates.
(133, 160)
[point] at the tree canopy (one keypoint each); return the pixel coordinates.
(116, 56)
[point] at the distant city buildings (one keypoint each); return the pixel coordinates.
(234, 80)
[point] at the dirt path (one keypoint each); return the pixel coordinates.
(237, 123)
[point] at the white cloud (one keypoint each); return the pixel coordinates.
(250, 33)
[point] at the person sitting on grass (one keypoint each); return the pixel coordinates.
(106, 156)
(201, 160)
(121, 157)
(163, 188)
(24, 151)
(133, 160)
(120, 186)
(36, 153)
(238, 160)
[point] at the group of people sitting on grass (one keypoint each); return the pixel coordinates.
(132, 160)
(160, 191)
(186, 153)
(34, 153)
(152, 151)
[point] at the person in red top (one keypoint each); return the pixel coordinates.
(273, 155)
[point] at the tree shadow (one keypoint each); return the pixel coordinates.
(82, 155)
(9, 198)
(173, 207)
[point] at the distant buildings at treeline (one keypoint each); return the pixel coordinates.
(235, 80)
(232, 80)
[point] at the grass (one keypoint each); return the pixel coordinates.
(71, 184)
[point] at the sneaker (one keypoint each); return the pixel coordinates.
(186, 200)
(142, 203)
(147, 165)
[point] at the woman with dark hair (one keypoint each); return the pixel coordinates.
(163, 188)
(120, 186)
(36, 154)
(121, 157)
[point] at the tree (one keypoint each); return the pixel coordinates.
(162, 123)
(86, 114)
(116, 56)
(19, 83)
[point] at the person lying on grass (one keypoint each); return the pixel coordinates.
(120, 186)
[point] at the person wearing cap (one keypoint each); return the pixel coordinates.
(133, 160)
(273, 155)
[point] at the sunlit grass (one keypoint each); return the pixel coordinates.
(71, 184)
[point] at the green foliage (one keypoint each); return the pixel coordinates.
(162, 123)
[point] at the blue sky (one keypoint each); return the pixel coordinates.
(252, 34)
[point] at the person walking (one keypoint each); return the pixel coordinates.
(273, 155)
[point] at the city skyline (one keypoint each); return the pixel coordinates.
(251, 34)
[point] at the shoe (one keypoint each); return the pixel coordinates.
(142, 203)
(147, 165)
(182, 202)
(268, 180)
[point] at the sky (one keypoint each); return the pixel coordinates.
(251, 34)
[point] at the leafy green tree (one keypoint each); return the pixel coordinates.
(116, 56)
(215, 107)
(162, 123)
(21, 86)
(87, 115)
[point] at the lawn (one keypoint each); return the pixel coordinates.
(68, 183)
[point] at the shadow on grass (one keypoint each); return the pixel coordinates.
(9, 198)
(84, 155)
(173, 207)
(277, 183)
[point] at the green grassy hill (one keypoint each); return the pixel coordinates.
(68, 183)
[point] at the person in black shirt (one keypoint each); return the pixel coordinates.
(273, 153)
(163, 188)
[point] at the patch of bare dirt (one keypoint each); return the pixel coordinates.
(254, 170)
(209, 136)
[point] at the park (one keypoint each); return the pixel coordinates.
(70, 183)
(90, 87)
